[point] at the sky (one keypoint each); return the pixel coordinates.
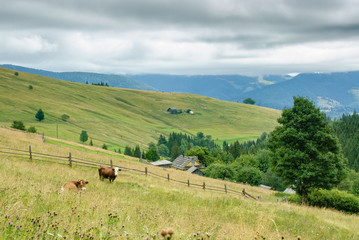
(248, 37)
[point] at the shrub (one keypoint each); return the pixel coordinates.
(65, 117)
(104, 146)
(250, 175)
(18, 125)
(30, 87)
(339, 200)
(32, 129)
(219, 170)
(16, 74)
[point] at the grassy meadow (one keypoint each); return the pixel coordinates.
(139, 207)
(118, 117)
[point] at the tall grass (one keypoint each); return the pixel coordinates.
(139, 207)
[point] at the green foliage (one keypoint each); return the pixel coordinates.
(65, 117)
(200, 152)
(246, 161)
(18, 125)
(219, 170)
(32, 129)
(104, 146)
(30, 87)
(250, 175)
(16, 74)
(137, 151)
(83, 136)
(334, 199)
(249, 101)
(128, 151)
(270, 179)
(152, 154)
(263, 159)
(347, 131)
(40, 115)
(304, 152)
(163, 150)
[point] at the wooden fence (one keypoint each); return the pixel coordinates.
(71, 160)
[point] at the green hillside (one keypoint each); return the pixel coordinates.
(122, 116)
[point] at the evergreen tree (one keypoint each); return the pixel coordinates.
(304, 152)
(152, 154)
(91, 143)
(175, 151)
(104, 146)
(137, 151)
(128, 151)
(83, 136)
(40, 115)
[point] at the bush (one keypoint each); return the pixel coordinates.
(65, 117)
(32, 129)
(219, 170)
(104, 146)
(249, 175)
(18, 125)
(30, 87)
(339, 200)
(16, 74)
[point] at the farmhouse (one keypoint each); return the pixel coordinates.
(162, 163)
(186, 162)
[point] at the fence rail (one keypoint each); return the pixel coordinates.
(70, 161)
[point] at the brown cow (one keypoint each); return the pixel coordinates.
(107, 172)
(80, 184)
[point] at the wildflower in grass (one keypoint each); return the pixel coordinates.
(11, 223)
(170, 231)
(18, 227)
(17, 217)
(299, 238)
(195, 234)
(163, 232)
(39, 233)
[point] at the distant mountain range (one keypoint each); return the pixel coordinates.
(334, 93)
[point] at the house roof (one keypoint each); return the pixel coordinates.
(181, 161)
(192, 169)
(161, 162)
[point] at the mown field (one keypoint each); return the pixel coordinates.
(139, 207)
(118, 117)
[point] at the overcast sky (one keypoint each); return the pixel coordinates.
(251, 37)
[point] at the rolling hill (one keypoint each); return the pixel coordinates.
(118, 117)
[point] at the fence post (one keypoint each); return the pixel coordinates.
(70, 161)
(188, 182)
(244, 192)
(111, 163)
(30, 152)
(225, 188)
(204, 186)
(168, 176)
(146, 171)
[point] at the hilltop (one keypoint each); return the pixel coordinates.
(118, 116)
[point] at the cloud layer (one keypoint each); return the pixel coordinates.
(181, 37)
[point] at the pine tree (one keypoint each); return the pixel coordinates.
(83, 136)
(40, 115)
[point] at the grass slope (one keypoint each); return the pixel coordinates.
(122, 116)
(138, 207)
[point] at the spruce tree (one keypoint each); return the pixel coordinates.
(40, 115)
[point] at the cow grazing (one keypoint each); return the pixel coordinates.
(107, 172)
(76, 185)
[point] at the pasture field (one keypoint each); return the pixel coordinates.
(118, 117)
(136, 206)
